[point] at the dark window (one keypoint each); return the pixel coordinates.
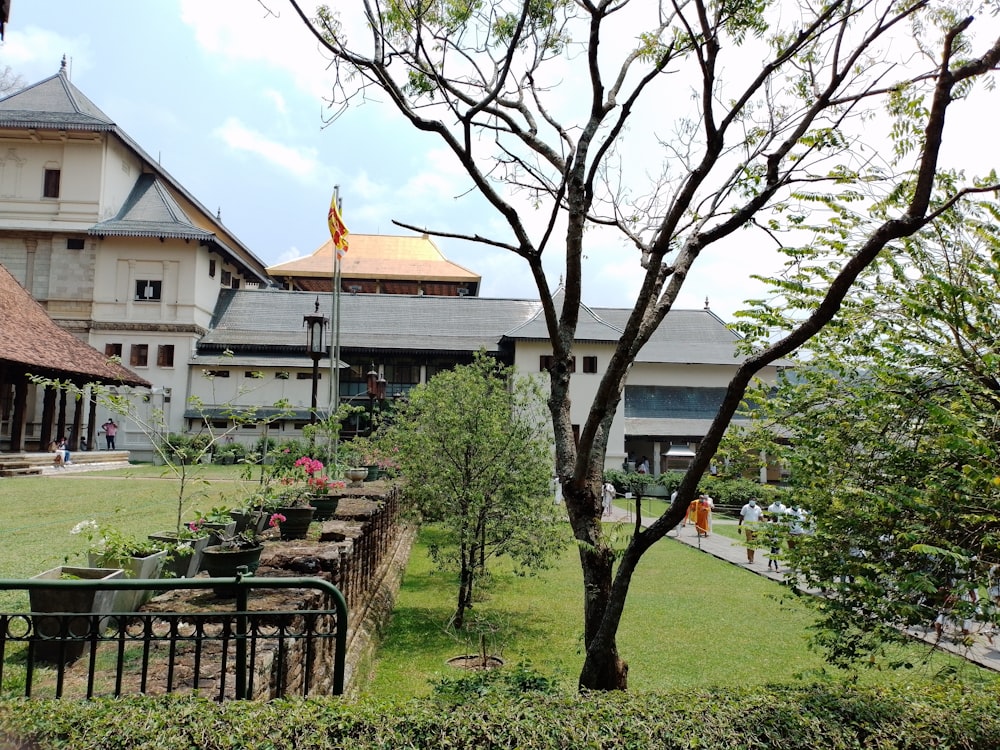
(218, 373)
(235, 283)
(227, 278)
(282, 375)
(74, 243)
(211, 268)
(165, 355)
(113, 350)
(139, 355)
(51, 188)
(148, 290)
(308, 376)
(590, 364)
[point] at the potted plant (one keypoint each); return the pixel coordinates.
(62, 639)
(233, 554)
(108, 547)
(217, 522)
(184, 550)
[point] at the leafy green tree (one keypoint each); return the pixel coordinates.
(668, 128)
(475, 448)
(894, 424)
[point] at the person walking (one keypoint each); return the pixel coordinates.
(751, 513)
(110, 431)
(608, 497)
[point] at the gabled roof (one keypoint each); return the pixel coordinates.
(271, 320)
(33, 342)
(250, 319)
(150, 211)
(379, 256)
(56, 104)
(590, 326)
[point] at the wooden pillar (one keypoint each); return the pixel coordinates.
(61, 419)
(91, 419)
(77, 428)
(20, 416)
(48, 414)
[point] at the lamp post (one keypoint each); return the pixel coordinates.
(376, 392)
(315, 348)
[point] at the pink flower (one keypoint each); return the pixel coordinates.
(275, 519)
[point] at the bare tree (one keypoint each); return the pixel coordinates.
(10, 81)
(763, 101)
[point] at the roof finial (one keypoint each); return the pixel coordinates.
(218, 214)
(62, 67)
(706, 302)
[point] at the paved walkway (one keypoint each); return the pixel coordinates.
(981, 652)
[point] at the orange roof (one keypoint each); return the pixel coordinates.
(380, 256)
(33, 342)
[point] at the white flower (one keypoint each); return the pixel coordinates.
(84, 526)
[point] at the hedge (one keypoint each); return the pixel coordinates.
(789, 718)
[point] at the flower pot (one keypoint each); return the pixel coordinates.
(325, 505)
(149, 566)
(357, 475)
(296, 523)
(60, 640)
(225, 563)
(218, 530)
(179, 565)
(372, 473)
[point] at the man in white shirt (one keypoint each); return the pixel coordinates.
(751, 513)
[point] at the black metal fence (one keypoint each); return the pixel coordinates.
(229, 650)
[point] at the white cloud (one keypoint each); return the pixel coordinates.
(302, 163)
(277, 99)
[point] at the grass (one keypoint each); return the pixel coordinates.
(692, 621)
(40, 511)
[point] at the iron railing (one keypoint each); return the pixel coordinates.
(211, 648)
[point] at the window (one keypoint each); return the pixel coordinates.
(165, 355)
(590, 364)
(74, 243)
(217, 373)
(282, 375)
(139, 355)
(227, 278)
(148, 290)
(51, 187)
(235, 283)
(211, 268)
(113, 350)
(308, 376)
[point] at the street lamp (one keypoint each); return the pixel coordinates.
(376, 391)
(315, 348)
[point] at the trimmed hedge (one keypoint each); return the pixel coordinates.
(791, 718)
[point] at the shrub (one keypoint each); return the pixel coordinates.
(792, 718)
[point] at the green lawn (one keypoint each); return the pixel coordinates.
(691, 621)
(40, 511)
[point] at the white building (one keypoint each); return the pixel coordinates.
(122, 256)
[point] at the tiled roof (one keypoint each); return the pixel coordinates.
(31, 340)
(273, 318)
(643, 427)
(264, 319)
(150, 211)
(590, 327)
(378, 256)
(52, 103)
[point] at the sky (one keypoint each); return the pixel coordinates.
(232, 100)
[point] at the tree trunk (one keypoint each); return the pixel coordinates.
(603, 668)
(464, 589)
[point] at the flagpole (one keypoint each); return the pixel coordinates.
(335, 316)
